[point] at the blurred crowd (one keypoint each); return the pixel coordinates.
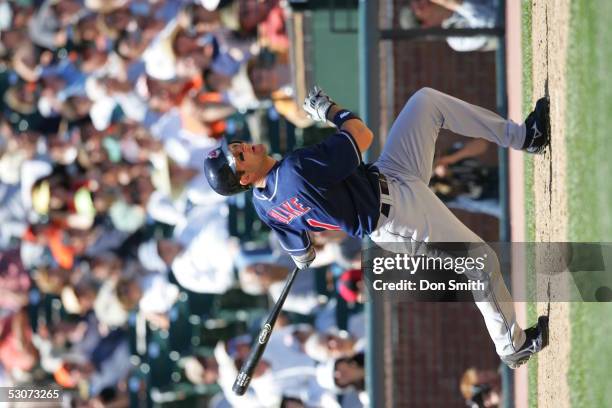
(456, 14)
(120, 277)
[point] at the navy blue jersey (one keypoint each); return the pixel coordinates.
(321, 187)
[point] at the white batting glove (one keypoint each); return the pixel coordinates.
(317, 104)
(304, 261)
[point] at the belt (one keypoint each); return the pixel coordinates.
(385, 197)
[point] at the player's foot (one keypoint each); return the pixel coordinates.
(536, 338)
(537, 123)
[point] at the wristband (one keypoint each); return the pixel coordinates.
(342, 116)
(329, 108)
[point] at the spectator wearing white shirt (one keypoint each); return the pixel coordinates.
(460, 14)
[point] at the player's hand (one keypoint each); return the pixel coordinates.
(304, 261)
(317, 104)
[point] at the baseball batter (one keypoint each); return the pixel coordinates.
(328, 187)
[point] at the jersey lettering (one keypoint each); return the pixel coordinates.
(274, 214)
(296, 204)
(288, 211)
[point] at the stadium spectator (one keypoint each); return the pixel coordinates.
(481, 388)
(460, 14)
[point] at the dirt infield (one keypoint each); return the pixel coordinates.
(550, 28)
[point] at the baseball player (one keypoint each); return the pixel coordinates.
(328, 187)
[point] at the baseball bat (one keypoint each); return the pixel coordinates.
(259, 345)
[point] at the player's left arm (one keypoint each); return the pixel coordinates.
(321, 108)
(361, 133)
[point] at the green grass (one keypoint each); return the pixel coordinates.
(589, 101)
(529, 194)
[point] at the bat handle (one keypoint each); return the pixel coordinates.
(259, 345)
(246, 371)
(241, 384)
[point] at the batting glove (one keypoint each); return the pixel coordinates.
(317, 104)
(304, 261)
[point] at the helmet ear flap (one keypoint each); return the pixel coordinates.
(220, 174)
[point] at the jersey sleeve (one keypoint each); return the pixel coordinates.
(295, 243)
(330, 161)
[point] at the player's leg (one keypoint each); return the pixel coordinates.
(417, 215)
(497, 309)
(411, 141)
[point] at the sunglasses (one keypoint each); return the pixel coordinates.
(240, 155)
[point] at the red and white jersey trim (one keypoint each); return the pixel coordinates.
(324, 225)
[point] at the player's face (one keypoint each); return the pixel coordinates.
(250, 161)
(248, 157)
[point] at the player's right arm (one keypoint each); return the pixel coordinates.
(295, 243)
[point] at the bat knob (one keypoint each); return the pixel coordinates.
(241, 384)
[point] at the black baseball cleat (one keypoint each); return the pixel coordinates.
(536, 338)
(537, 135)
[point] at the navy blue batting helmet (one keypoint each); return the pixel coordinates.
(220, 170)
